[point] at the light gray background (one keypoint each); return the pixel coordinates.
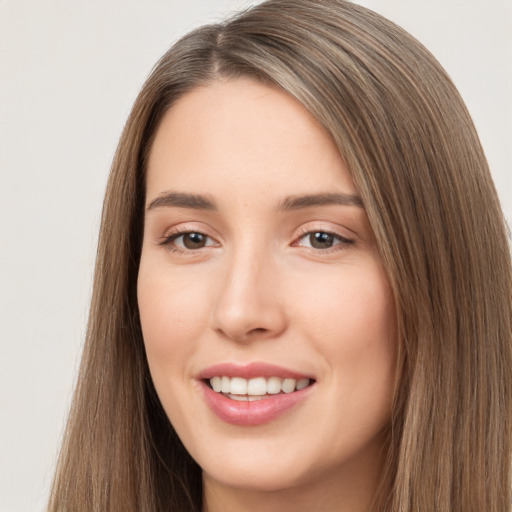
(69, 72)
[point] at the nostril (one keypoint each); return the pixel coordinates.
(257, 330)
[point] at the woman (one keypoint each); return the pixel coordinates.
(303, 288)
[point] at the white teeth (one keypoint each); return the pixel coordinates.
(238, 386)
(216, 383)
(257, 386)
(245, 398)
(288, 385)
(251, 389)
(274, 385)
(301, 384)
(226, 385)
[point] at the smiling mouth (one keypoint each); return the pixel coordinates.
(258, 388)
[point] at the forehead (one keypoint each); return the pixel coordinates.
(243, 135)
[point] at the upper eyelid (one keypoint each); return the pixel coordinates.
(342, 240)
(186, 227)
(174, 235)
(308, 228)
(331, 233)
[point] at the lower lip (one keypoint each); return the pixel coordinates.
(254, 413)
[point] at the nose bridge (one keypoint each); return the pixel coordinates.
(247, 302)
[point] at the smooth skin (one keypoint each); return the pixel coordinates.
(245, 273)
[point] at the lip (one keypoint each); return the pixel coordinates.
(258, 412)
(251, 370)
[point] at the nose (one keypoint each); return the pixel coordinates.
(248, 305)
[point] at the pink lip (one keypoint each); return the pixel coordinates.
(250, 370)
(251, 413)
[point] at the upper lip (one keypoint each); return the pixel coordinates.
(250, 370)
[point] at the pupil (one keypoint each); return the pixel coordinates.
(194, 240)
(321, 240)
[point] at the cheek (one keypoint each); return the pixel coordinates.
(353, 321)
(172, 316)
(358, 342)
(356, 302)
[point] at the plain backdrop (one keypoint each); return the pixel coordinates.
(69, 72)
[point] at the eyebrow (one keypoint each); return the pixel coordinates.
(325, 199)
(200, 202)
(182, 200)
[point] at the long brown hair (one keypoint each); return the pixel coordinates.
(410, 145)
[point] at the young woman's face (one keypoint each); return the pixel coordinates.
(259, 271)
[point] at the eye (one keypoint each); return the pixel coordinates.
(322, 240)
(188, 241)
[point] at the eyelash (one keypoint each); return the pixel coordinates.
(342, 242)
(168, 240)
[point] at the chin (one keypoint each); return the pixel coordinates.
(262, 478)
